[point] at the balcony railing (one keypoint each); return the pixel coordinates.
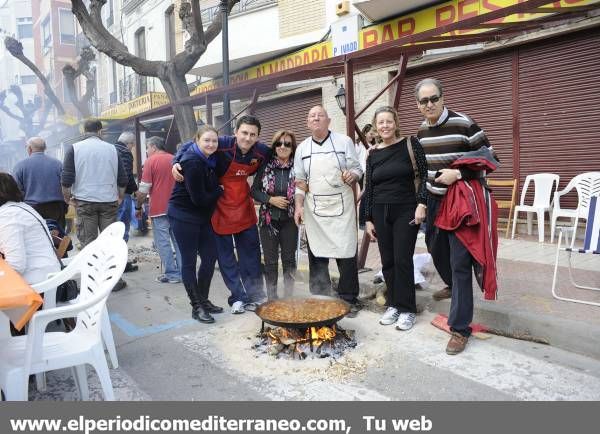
(209, 14)
(135, 85)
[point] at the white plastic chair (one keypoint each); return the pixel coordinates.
(587, 185)
(100, 264)
(544, 185)
(591, 245)
(115, 231)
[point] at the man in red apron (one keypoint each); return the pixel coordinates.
(238, 157)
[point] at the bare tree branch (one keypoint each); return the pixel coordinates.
(27, 111)
(16, 50)
(104, 41)
(71, 73)
(171, 73)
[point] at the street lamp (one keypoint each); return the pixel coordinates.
(225, 43)
(340, 97)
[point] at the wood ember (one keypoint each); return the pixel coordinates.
(300, 344)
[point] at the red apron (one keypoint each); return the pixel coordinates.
(235, 208)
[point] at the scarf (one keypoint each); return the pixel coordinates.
(268, 187)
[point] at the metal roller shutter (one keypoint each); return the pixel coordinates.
(559, 112)
(480, 87)
(288, 113)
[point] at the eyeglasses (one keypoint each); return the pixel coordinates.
(282, 143)
(433, 99)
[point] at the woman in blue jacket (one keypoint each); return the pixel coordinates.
(190, 208)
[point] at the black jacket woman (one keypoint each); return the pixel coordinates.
(395, 207)
(190, 208)
(274, 187)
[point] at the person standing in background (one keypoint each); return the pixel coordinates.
(94, 178)
(158, 182)
(38, 178)
(124, 146)
(361, 152)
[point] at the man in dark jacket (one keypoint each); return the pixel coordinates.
(125, 145)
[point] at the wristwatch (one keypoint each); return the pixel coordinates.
(459, 175)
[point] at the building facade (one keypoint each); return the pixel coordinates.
(54, 34)
(524, 90)
(16, 21)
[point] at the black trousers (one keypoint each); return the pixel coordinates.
(437, 242)
(320, 281)
(454, 263)
(195, 240)
(286, 240)
(396, 240)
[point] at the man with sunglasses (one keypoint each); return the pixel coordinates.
(445, 136)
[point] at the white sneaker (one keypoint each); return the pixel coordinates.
(237, 307)
(390, 316)
(406, 321)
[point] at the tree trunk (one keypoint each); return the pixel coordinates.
(176, 88)
(81, 105)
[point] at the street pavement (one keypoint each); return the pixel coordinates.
(165, 355)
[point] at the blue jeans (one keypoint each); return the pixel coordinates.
(242, 275)
(164, 240)
(124, 214)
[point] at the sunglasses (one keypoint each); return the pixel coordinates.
(282, 143)
(433, 99)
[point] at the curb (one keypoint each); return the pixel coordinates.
(575, 336)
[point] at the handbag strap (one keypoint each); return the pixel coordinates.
(411, 154)
(45, 229)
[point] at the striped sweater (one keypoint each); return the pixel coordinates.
(446, 141)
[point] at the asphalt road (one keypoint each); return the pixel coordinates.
(164, 355)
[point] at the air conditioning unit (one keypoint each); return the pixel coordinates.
(342, 8)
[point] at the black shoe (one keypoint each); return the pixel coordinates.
(211, 308)
(354, 309)
(130, 267)
(119, 285)
(200, 314)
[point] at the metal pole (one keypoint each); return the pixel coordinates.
(225, 36)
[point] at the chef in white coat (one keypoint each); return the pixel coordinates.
(326, 168)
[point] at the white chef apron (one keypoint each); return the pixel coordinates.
(329, 210)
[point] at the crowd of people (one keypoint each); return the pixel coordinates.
(202, 204)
